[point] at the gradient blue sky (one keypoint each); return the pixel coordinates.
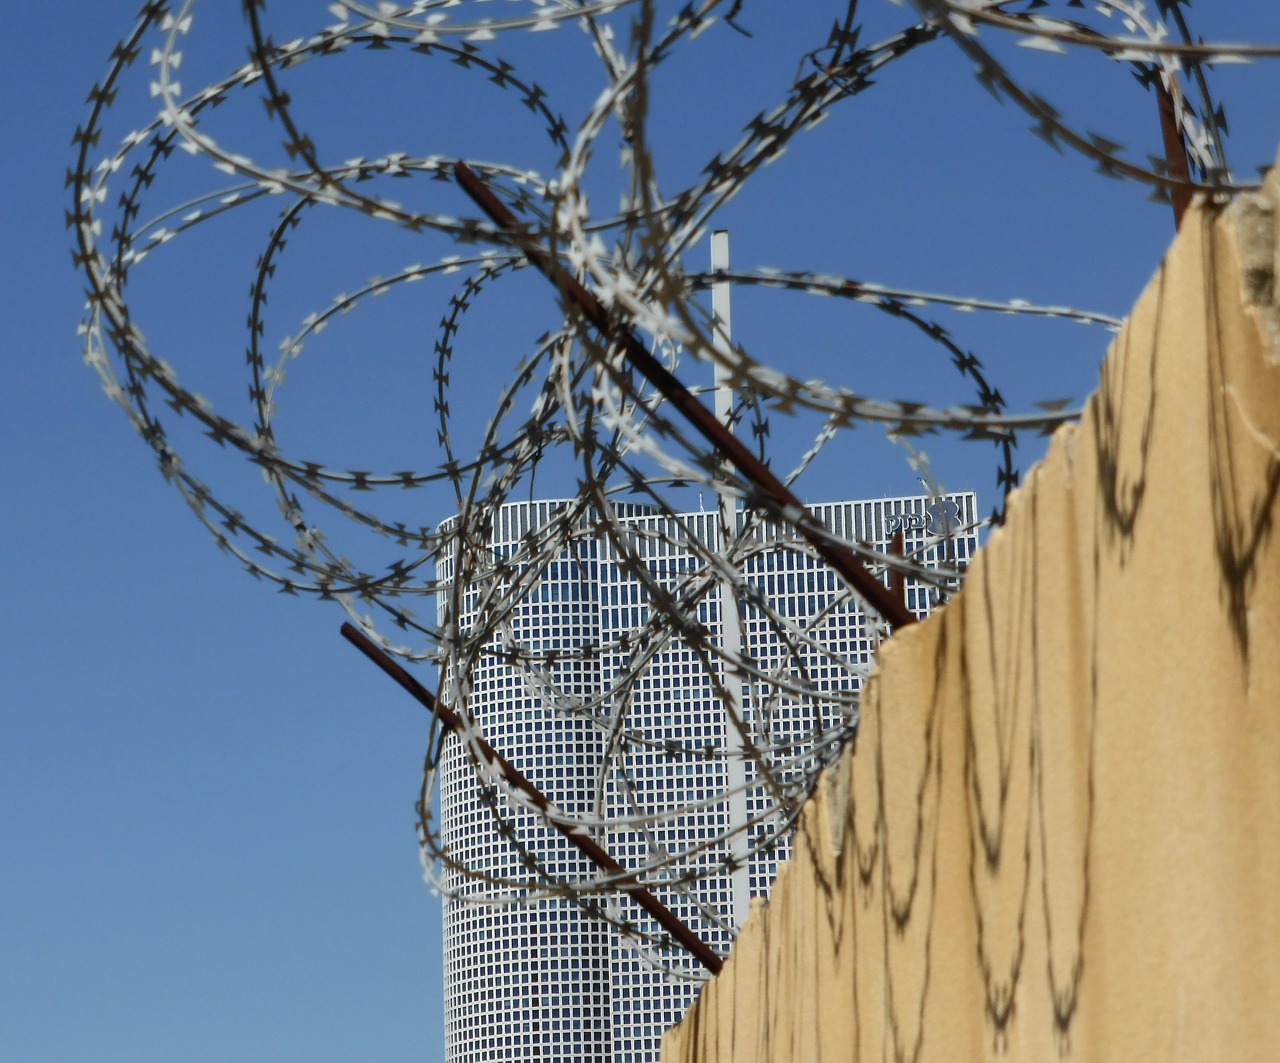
(206, 804)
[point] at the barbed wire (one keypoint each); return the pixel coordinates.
(453, 593)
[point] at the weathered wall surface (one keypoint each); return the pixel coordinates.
(1059, 835)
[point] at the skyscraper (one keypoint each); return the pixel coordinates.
(577, 662)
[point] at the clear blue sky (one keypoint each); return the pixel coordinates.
(206, 804)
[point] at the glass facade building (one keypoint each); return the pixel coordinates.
(548, 981)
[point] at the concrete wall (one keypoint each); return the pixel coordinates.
(1059, 834)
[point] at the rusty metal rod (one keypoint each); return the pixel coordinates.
(897, 581)
(703, 420)
(1175, 153)
(450, 722)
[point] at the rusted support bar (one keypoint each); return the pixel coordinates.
(703, 420)
(450, 722)
(897, 581)
(1175, 152)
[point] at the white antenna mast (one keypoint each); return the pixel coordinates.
(723, 326)
(730, 624)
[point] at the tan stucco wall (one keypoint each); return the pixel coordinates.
(1059, 834)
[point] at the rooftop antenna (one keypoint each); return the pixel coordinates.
(721, 324)
(730, 624)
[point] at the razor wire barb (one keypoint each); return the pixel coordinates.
(571, 394)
